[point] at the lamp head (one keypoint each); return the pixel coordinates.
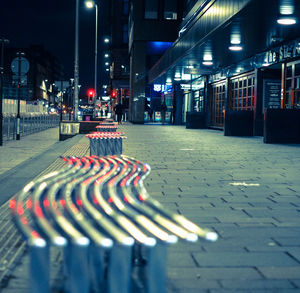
(89, 4)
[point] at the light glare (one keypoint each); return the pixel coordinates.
(89, 4)
(286, 20)
(235, 48)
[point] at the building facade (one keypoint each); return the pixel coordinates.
(37, 83)
(231, 61)
(119, 66)
(153, 27)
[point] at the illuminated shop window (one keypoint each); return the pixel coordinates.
(170, 9)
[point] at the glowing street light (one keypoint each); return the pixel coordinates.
(91, 4)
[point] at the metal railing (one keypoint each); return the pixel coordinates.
(29, 123)
(98, 210)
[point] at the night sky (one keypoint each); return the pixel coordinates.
(52, 24)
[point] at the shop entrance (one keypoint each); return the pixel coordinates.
(217, 104)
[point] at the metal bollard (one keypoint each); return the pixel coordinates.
(98, 268)
(76, 267)
(119, 269)
(39, 267)
(156, 261)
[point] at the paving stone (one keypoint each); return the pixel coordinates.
(253, 290)
(224, 273)
(257, 284)
(294, 252)
(246, 259)
(272, 272)
(185, 286)
(296, 283)
(288, 241)
(180, 259)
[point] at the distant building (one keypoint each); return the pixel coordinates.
(37, 83)
(119, 56)
(153, 27)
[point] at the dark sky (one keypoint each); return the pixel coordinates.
(52, 24)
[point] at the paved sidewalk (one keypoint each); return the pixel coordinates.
(21, 161)
(14, 152)
(245, 190)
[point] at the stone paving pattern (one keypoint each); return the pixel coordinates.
(245, 190)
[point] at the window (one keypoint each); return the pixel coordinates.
(198, 101)
(151, 9)
(292, 86)
(170, 9)
(244, 86)
(125, 7)
(125, 33)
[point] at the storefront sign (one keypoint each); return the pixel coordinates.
(162, 87)
(271, 94)
(158, 87)
(286, 51)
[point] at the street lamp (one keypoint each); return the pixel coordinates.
(76, 62)
(91, 4)
(3, 42)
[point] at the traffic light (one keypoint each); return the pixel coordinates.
(113, 94)
(91, 94)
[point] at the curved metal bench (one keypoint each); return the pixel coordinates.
(99, 211)
(107, 128)
(106, 143)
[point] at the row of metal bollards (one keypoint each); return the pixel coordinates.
(114, 235)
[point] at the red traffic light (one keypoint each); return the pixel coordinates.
(114, 94)
(91, 93)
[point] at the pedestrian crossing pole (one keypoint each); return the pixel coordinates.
(19, 97)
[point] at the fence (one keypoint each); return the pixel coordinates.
(29, 123)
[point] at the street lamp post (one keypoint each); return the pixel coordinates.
(76, 62)
(19, 54)
(91, 4)
(3, 42)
